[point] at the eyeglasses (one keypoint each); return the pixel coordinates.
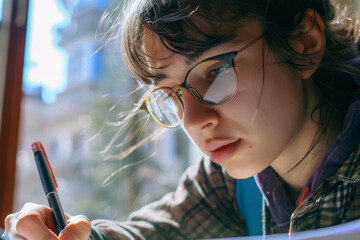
(212, 81)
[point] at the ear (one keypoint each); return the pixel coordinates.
(312, 41)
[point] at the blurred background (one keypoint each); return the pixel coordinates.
(69, 90)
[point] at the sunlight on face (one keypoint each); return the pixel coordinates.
(265, 122)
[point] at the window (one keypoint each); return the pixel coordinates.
(70, 90)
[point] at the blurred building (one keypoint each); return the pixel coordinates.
(67, 127)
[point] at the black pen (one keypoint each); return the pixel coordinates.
(49, 184)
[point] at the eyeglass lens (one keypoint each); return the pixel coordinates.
(213, 82)
(165, 107)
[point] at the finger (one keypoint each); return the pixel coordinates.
(32, 222)
(10, 233)
(32, 227)
(9, 221)
(78, 228)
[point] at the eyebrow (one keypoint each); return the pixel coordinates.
(160, 77)
(220, 45)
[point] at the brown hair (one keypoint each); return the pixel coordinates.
(174, 21)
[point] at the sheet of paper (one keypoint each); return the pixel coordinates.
(346, 231)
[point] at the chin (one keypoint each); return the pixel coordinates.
(242, 172)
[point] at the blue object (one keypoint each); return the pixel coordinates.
(49, 184)
(249, 201)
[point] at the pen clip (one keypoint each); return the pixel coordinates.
(48, 163)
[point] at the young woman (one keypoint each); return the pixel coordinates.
(264, 88)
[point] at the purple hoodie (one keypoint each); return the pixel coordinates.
(272, 187)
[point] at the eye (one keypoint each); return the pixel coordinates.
(169, 95)
(214, 72)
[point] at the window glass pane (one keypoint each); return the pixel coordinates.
(1, 9)
(70, 91)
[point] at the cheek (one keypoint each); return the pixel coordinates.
(283, 94)
(270, 107)
(281, 110)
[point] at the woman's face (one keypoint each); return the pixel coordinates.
(262, 125)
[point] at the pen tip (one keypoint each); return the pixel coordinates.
(36, 146)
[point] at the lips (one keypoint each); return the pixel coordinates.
(220, 152)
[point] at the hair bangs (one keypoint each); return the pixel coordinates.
(183, 28)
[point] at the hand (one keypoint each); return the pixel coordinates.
(35, 222)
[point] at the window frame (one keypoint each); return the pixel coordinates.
(12, 38)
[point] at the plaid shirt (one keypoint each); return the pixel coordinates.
(336, 201)
(204, 206)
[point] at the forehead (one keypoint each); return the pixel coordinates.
(245, 29)
(154, 48)
(160, 59)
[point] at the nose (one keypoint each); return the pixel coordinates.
(198, 116)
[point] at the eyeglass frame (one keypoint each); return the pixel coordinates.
(185, 84)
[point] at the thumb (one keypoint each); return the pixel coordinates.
(78, 228)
